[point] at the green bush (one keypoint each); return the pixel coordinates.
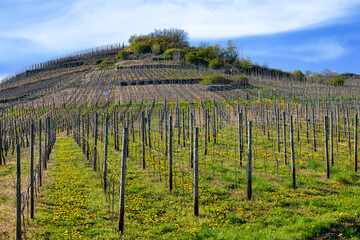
(141, 47)
(337, 81)
(156, 49)
(215, 79)
(299, 74)
(122, 55)
(173, 51)
(216, 63)
(194, 59)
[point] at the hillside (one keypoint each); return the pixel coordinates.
(110, 144)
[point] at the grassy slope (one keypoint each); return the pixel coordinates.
(71, 206)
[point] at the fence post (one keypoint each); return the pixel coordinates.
(95, 142)
(355, 141)
(191, 140)
(87, 136)
(18, 193)
(122, 183)
(249, 168)
(206, 132)
(292, 153)
(313, 128)
(170, 155)
(196, 173)
(32, 139)
(143, 128)
(240, 134)
(326, 147)
(40, 160)
(46, 143)
(83, 133)
(284, 123)
(166, 132)
(105, 153)
(332, 138)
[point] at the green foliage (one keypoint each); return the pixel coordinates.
(231, 52)
(246, 64)
(337, 81)
(159, 40)
(299, 74)
(216, 63)
(156, 49)
(215, 79)
(141, 47)
(107, 62)
(194, 59)
(122, 55)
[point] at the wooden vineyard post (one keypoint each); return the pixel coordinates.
(170, 155)
(166, 132)
(40, 161)
(105, 153)
(284, 123)
(313, 128)
(87, 136)
(83, 133)
(332, 138)
(191, 140)
(32, 139)
(348, 130)
(278, 130)
(206, 132)
(115, 130)
(179, 125)
(149, 130)
(355, 142)
(249, 168)
(183, 126)
(46, 143)
(143, 128)
(240, 134)
(293, 170)
(214, 126)
(267, 122)
(307, 123)
(122, 183)
(196, 173)
(95, 142)
(18, 193)
(326, 123)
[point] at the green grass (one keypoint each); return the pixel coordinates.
(72, 206)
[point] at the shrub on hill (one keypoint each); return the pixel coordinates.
(141, 47)
(122, 55)
(216, 63)
(337, 81)
(160, 40)
(215, 79)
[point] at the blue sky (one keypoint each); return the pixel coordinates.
(287, 34)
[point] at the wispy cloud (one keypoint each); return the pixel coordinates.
(323, 50)
(55, 27)
(90, 22)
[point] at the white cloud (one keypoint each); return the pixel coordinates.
(323, 50)
(93, 22)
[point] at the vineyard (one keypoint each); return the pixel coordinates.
(141, 149)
